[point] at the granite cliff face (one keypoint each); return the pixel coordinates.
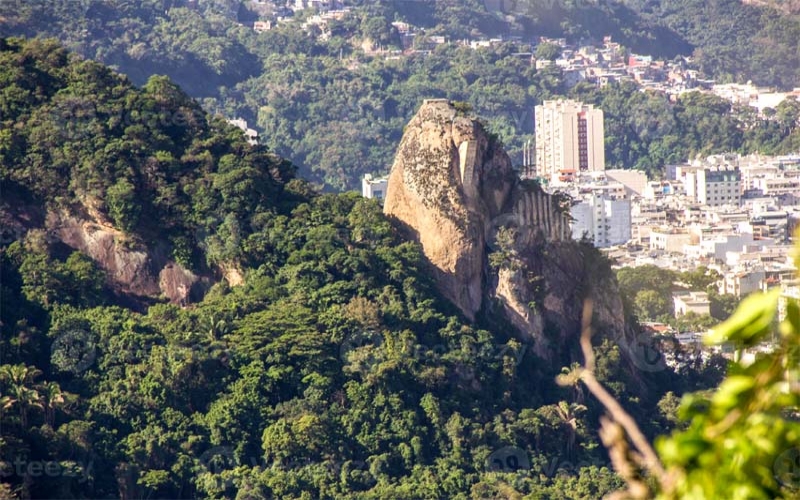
(448, 179)
(453, 189)
(133, 270)
(136, 271)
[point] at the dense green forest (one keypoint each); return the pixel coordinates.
(338, 113)
(334, 370)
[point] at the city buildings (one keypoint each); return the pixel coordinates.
(733, 214)
(569, 139)
(603, 219)
(714, 186)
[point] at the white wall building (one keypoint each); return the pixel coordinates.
(718, 247)
(249, 133)
(752, 173)
(743, 282)
(776, 186)
(696, 302)
(569, 138)
(604, 220)
(671, 241)
(634, 181)
(714, 186)
(373, 188)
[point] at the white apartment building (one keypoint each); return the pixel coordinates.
(696, 302)
(569, 138)
(776, 186)
(670, 240)
(605, 220)
(714, 186)
(743, 282)
(752, 173)
(373, 188)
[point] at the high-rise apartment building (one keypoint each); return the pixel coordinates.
(569, 138)
(605, 220)
(714, 186)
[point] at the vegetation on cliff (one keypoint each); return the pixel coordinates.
(334, 370)
(149, 161)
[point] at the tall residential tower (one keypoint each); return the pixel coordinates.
(569, 139)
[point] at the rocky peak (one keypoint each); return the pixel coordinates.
(448, 180)
(452, 187)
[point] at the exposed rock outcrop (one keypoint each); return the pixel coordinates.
(447, 181)
(131, 269)
(453, 188)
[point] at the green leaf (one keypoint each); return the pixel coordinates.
(750, 323)
(790, 327)
(731, 390)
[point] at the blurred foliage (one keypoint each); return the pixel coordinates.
(742, 439)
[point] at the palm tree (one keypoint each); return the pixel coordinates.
(213, 327)
(52, 397)
(5, 403)
(571, 377)
(19, 379)
(19, 374)
(568, 416)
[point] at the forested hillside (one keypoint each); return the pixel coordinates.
(735, 41)
(338, 113)
(333, 370)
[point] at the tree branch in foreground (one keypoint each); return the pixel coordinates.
(614, 429)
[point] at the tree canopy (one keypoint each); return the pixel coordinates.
(335, 369)
(304, 91)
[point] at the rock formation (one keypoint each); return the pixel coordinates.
(447, 180)
(137, 271)
(133, 270)
(452, 187)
